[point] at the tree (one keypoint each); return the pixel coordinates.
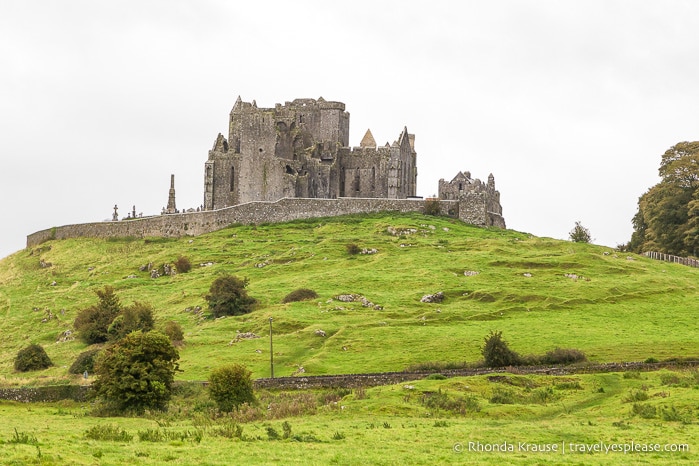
(93, 322)
(32, 358)
(230, 386)
(174, 332)
(580, 234)
(667, 219)
(497, 353)
(228, 296)
(136, 373)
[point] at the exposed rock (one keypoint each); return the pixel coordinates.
(527, 274)
(470, 273)
(320, 332)
(433, 298)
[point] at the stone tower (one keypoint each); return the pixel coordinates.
(482, 199)
(301, 149)
(171, 206)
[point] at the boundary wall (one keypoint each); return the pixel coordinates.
(283, 210)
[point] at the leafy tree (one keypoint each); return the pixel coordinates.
(32, 358)
(93, 322)
(138, 316)
(228, 297)
(580, 234)
(136, 373)
(667, 219)
(497, 353)
(230, 386)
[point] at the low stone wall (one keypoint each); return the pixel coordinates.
(45, 394)
(284, 210)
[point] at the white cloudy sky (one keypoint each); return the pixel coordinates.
(570, 104)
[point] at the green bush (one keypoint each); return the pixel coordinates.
(230, 386)
(93, 322)
(302, 294)
(563, 356)
(228, 297)
(353, 249)
(497, 353)
(84, 362)
(183, 265)
(174, 331)
(136, 373)
(32, 358)
(138, 316)
(108, 432)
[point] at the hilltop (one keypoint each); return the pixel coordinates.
(541, 293)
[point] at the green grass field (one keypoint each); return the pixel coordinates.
(620, 307)
(453, 421)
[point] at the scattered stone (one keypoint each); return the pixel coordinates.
(433, 298)
(53, 283)
(90, 269)
(65, 336)
(445, 229)
(43, 264)
(369, 251)
(606, 253)
(132, 276)
(527, 274)
(258, 351)
(242, 336)
(572, 276)
(344, 348)
(169, 270)
(190, 241)
(629, 258)
(401, 231)
(470, 273)
(409, 387)
(206, 264)
(261, 264)
(154, 273)
(320, 332)
(298, 371)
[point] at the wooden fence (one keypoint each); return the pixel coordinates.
(670, 258)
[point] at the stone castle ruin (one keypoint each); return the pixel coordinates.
(301, 149)
(294, 161)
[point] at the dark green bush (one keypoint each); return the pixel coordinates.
(497, 353)
(138, 316)
(84, 362)
(228, 297)
(136, 373)
(563, 356)
(302, 294)
(32, 358)
(183, 265)
(230, 386)
(93, 322)
(353, 249)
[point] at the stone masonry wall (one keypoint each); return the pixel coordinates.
(284, 210)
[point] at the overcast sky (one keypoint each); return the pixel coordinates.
(570, 104)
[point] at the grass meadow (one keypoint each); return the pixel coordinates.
(541, 293)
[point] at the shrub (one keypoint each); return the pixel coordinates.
(228, 296)
(353, 249)
(563, 356)
(580, 234)
(183, 265)
(32, 358)
(497, 353)
(93, 322)
(136, 373)
(108, 432)
(230, 386)
(302, 294)
(432, 207)
(84, 362)
(138, 316)
(174, 331)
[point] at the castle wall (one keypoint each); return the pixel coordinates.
(471, 210)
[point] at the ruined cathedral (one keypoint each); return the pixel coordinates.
(301, 150)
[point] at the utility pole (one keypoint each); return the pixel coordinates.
(271, 351)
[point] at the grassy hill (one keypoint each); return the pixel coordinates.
(619, 308)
